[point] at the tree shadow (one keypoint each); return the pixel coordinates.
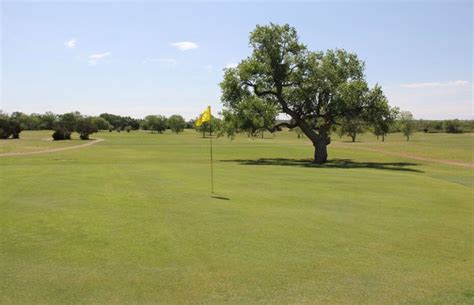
(333, 163)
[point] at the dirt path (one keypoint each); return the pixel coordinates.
(409, 156)
(92, 142)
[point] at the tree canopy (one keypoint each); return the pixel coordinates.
(316, 89)
(176, 123)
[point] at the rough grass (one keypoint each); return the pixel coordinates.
(131, 221)
(35, 141)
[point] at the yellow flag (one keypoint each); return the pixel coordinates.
(204, 117)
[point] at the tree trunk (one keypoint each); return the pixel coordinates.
(320, 152)
(353, 138)
(383, 138)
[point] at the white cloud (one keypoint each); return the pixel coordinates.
(185, 45)
(169, 62)
(71, 43)
(95, 58)
(455, 83)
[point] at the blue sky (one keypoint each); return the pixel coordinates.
(165, 58)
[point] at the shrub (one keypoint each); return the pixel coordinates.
(61, 134)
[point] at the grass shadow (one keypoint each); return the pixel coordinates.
(220, 197)
(333, 163)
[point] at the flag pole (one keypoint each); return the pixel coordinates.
(210, 140)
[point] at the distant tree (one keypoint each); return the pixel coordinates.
(407, 123)
(352, 127)
(15, 128)
(48, 120)
(101, 123)
(299, 132)
(113, 119)
(65, 125)
(69, 120)
(5, 132)
(215, 125)
(86, 126)
(383, 123)
(9, 126)
(453, 126)
(156, 123)
(120, 122)
(190, 124)
(176, 123)
(27, 122)
(128, 128)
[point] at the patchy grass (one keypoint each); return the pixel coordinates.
(31, 141)
(131, 221)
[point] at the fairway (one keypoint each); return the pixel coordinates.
(131, 220)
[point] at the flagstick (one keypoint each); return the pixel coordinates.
(212, 170)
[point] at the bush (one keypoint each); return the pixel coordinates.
(61, 134)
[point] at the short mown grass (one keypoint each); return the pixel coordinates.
(131, 220)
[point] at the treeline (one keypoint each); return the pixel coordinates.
(448, 126)
(63, 125)
(406, 124)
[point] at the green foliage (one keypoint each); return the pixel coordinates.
(407, 123)
(155, 123)
(48, 120)
(352, 127)
(61, 134)
(10, 126)
(86, 126)
(101, 123)
(176, 123)
(315, 89)
(252, 116)
(128, 129)
(205, 127)
(453, 126)
(120, 122)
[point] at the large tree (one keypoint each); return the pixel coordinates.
(315, 89)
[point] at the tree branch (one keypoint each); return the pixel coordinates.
(259, 93)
